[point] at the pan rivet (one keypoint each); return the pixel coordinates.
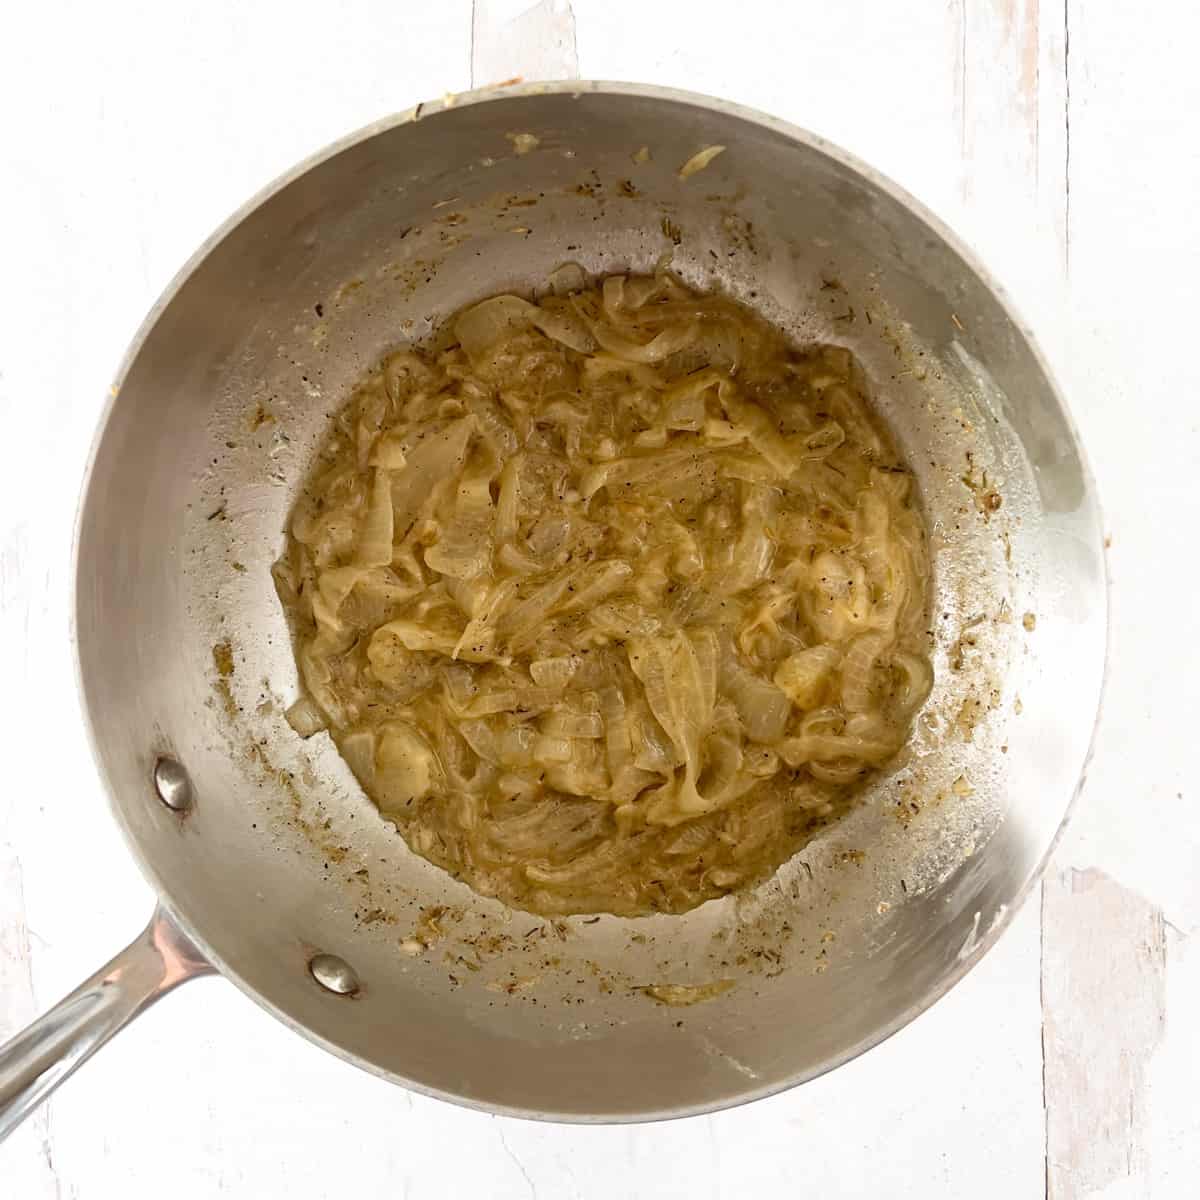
(334, 974)
(172, 784)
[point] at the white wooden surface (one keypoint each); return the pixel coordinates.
(1058, 138)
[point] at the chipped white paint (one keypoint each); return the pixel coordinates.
(520, 39)
(1103, 1012)
(160, 119)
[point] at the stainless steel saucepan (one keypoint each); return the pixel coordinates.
(273, 868)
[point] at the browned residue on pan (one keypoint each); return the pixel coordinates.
(682, 995)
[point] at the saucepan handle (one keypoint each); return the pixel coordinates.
(37, 1060)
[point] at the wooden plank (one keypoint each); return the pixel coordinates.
(1134, 256)
(1103, 1012)
(1135, 259)
(1010, 105)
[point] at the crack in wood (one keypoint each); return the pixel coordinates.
(1067, 136)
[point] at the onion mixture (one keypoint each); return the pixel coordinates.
(614, 599)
